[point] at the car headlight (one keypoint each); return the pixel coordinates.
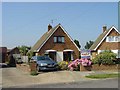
(43, 64)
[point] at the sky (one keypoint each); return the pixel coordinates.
(23, 23)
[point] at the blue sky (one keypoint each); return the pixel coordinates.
(24, 23)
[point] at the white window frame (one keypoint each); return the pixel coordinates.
(59, 39)
(113, 39)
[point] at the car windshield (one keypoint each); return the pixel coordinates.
(43, 58)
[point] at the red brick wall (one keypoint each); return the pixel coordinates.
(59, 46)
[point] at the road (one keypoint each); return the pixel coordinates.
(108, 83)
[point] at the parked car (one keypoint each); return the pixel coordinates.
(3, 65)
(45, 63)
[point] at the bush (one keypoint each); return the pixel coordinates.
(105, 58)
(63, 65)
(75, 65)
(33, 73)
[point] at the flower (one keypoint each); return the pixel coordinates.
(75, 64)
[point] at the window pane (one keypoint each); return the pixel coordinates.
(63, 39)
(116, 38)
(59, 39)
(55, 39)
(111, 38)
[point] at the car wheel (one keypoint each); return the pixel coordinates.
(38, 69)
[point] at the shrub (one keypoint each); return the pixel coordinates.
(33, 73)
(105, 58)
(63, 65)
(75, 65)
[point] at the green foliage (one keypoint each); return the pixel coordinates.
(30, 54)
(63, 65)
(105, 58)
(89, 44)
(77, 43)
(33, 73)
(23, 49)
(100, 76)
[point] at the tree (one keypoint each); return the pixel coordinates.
(89, 44)
(23, 49)
(77, 43)
(30, 54)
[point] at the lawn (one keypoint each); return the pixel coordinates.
(102, 76)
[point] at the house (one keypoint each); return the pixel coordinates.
(3, 54)
(13, 51)
(108, 40)
(57, 43)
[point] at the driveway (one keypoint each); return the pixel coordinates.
(16, 77)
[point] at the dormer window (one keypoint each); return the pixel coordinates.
(59, 39)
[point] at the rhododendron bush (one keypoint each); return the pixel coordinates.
(75, 65)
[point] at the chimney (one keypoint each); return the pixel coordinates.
(49, 27)
(104, 28)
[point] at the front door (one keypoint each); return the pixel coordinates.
(68, 56)
(52, 55)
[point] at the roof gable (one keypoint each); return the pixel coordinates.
(46, 37)
(101, 38)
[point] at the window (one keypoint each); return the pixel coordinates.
(113, 39)
(59, 39)
(55, 39)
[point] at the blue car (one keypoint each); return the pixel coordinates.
(44, 63)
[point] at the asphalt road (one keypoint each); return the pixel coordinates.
(105, 83)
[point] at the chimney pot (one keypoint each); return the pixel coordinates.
(49, 27)
(104, 28)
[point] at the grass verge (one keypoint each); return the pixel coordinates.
(102, 76)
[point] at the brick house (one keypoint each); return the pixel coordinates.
(13, 51)
(58, 44)
(108, 40)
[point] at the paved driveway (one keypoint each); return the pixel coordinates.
(17, 77)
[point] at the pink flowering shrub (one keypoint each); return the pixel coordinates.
(75, 65)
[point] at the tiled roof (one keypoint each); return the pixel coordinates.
(41, 41)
